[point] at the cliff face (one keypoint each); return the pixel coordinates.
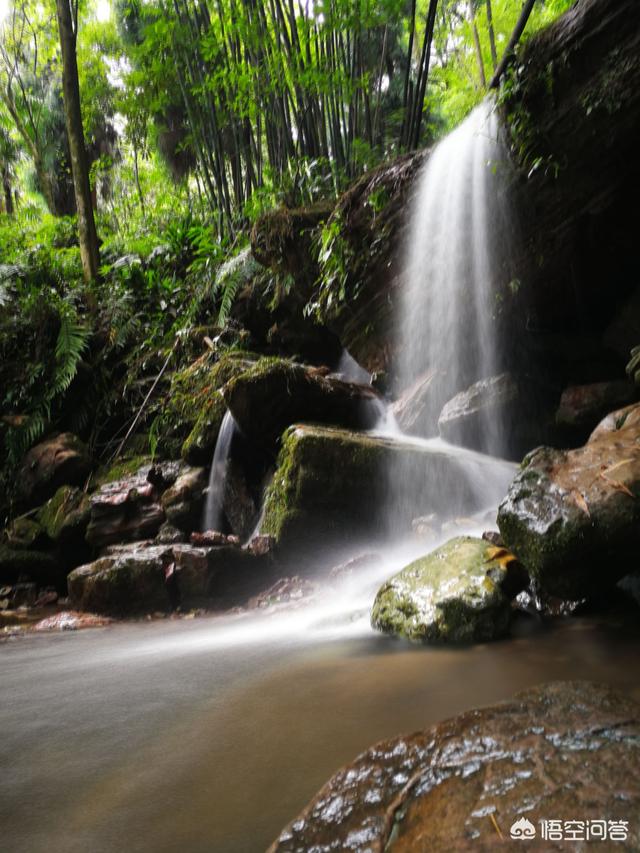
(573, 113)
(571, 109)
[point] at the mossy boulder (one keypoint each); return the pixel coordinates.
(332, 483)
(191, 415)
(573, 516)
(276, 393)
(460, 593)
(65, 517)
(26, 534)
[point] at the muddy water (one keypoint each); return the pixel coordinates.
(158, 738)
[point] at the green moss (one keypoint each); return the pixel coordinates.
(455, 594)
(119, 470)
(190, 397)
(197, 448)
(67, 511)
(25, 533)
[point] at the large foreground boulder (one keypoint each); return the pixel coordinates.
(139, 579)
(573, 517)
(276, 393)
(565, 754)
(460, 593)
(332, 484)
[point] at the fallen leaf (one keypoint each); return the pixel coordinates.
(580, 501)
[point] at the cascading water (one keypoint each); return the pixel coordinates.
(212, 518)
(457, 255)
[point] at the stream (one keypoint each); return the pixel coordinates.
(211, 734)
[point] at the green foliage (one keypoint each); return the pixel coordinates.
(335, 256)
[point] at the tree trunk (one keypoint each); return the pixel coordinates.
(492, 36)
(8, 196)
(478, 48)
(513, 41)
(87, 235)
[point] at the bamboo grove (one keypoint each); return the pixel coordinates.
(271, 87)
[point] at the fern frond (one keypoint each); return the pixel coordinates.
(73, 339)
(227, 298)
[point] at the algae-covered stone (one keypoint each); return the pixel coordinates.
(459, 593)
(199, 445)
(276, 393)
(25, 534)
(66, 515)
(573, 517)
(191, 415)
(331, 483)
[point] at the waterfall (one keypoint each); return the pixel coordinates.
(213, 516)
(455, 258)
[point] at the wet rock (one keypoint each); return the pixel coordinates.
(356, 565)
(416, 409)
(163, 475)
(209, 538)
(46, 597)
(261, 545)
(573, 517)
(23, 595)
(71, 620)
(582, 407)
(493, 537)
(39, 566)
(426, 526)
(308, 502)
(168, 534)
(277, 393)
(460, 593)
(65, 517)
(238, 503)
(183, 501)
(60, 460)
(26, 534)
(283, 592)
(474, 415)
(124, 511)
(554, 752)
(531, 602)
(192, 414)
(133, 579)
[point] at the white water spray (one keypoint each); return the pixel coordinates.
(457, 255)
(213, 516)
